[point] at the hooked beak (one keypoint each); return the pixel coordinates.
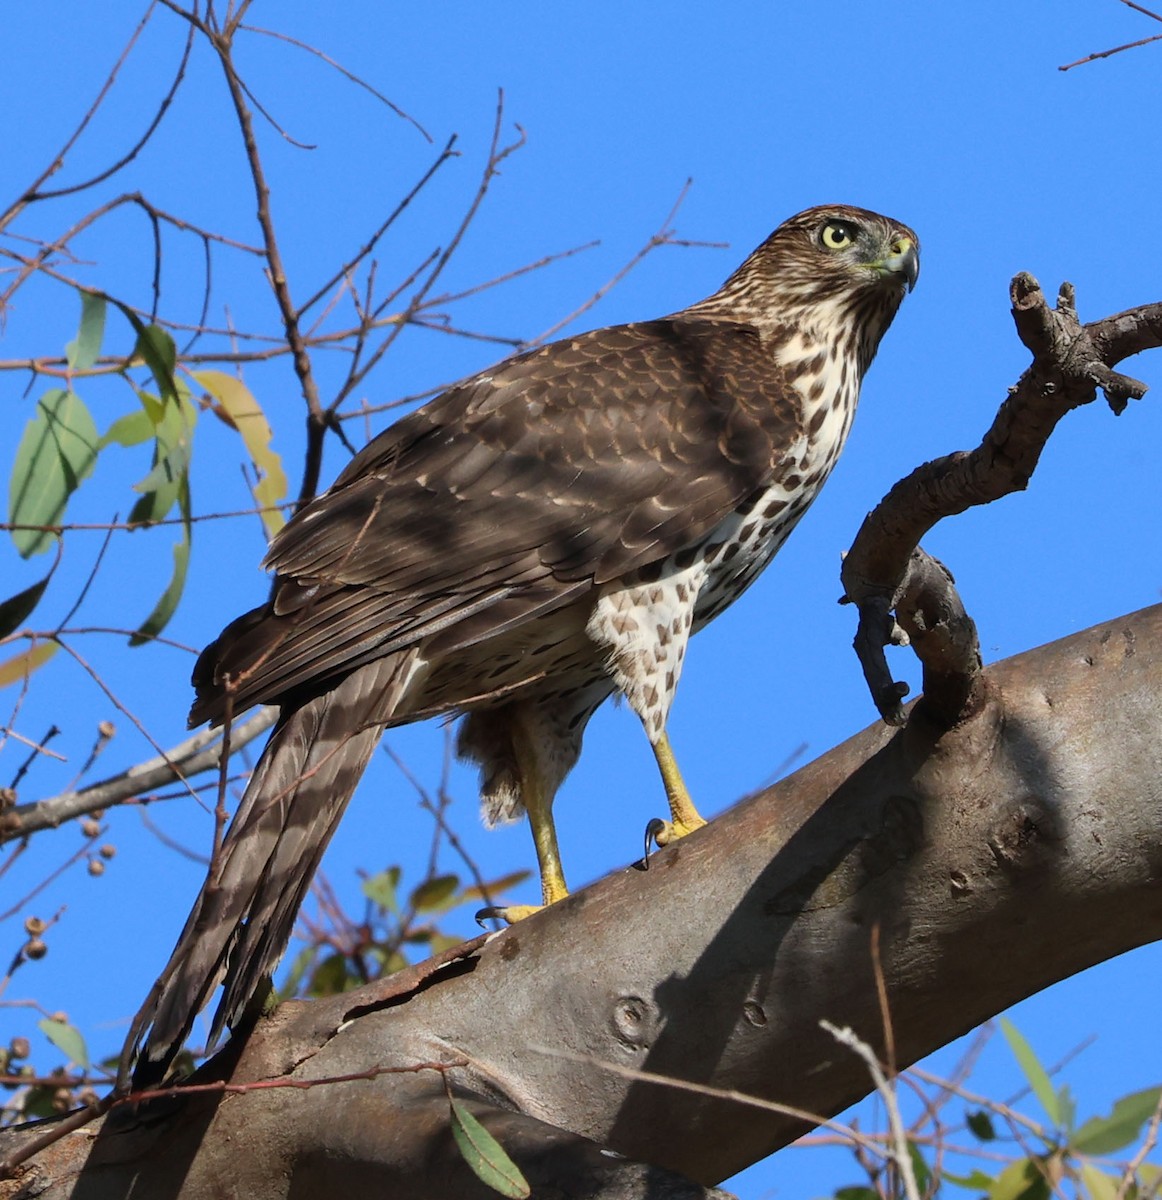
(903, 259)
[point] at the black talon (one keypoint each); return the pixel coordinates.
(655, 826)
(493, 912)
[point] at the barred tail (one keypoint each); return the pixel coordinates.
(245, 913)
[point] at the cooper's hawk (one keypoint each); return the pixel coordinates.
(538, 537)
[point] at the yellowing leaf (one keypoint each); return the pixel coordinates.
(1098, 1184)
(18, 668)
(495, 887)
(240, 409)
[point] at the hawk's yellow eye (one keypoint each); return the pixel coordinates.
(837, 235)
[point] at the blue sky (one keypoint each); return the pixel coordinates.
(953, 118)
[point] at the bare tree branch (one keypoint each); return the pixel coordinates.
(199, 752)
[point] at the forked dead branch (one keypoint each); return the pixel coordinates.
(897, 586)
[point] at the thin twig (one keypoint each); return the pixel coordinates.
(901, 1154)
(355, 79)
(189, 758)
(663, 237)
(1129, 1176)
(31, 192)
(852, 1136)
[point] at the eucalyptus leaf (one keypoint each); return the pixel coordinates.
(1020, 1180)
(81, 353)
(66, 1038)
(17, 609)
(56, 452)
(486, 1156)
(1107, 1135)
(1034, 1072)
(436, 894)
(381, 889)
(159, 618)
(981, 1125)
(237, 406)
(129, 430)
(18, 668)
(1098, 1184)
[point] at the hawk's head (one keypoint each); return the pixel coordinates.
(839, 272)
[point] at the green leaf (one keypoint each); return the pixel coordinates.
(332, 977)
(981, 1125)
(156, 349)
(172, 425)
(1034, 1072)
(18, 668)
(129, 430)
(82, 352)
(164, 609)
(1107, 1135)
(920, 1169)
(1098, 1184)
(381, 889)
(1020, 1180)
(17, 609)
(38, 1103)
(167, 473)
(443, 941)
(856, 1193)
(1067, 1108)
(66, 1038)
(436, 894)
(389, 964)
(55, 454)
(160, 354)
(977, 1181)
(485, 1155)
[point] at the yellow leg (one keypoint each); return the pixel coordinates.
(538, 802)
(684, 817)
(540, 810)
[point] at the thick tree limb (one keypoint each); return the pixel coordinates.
(996, 857)
(885, 571)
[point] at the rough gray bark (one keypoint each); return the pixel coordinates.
(997, 857)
